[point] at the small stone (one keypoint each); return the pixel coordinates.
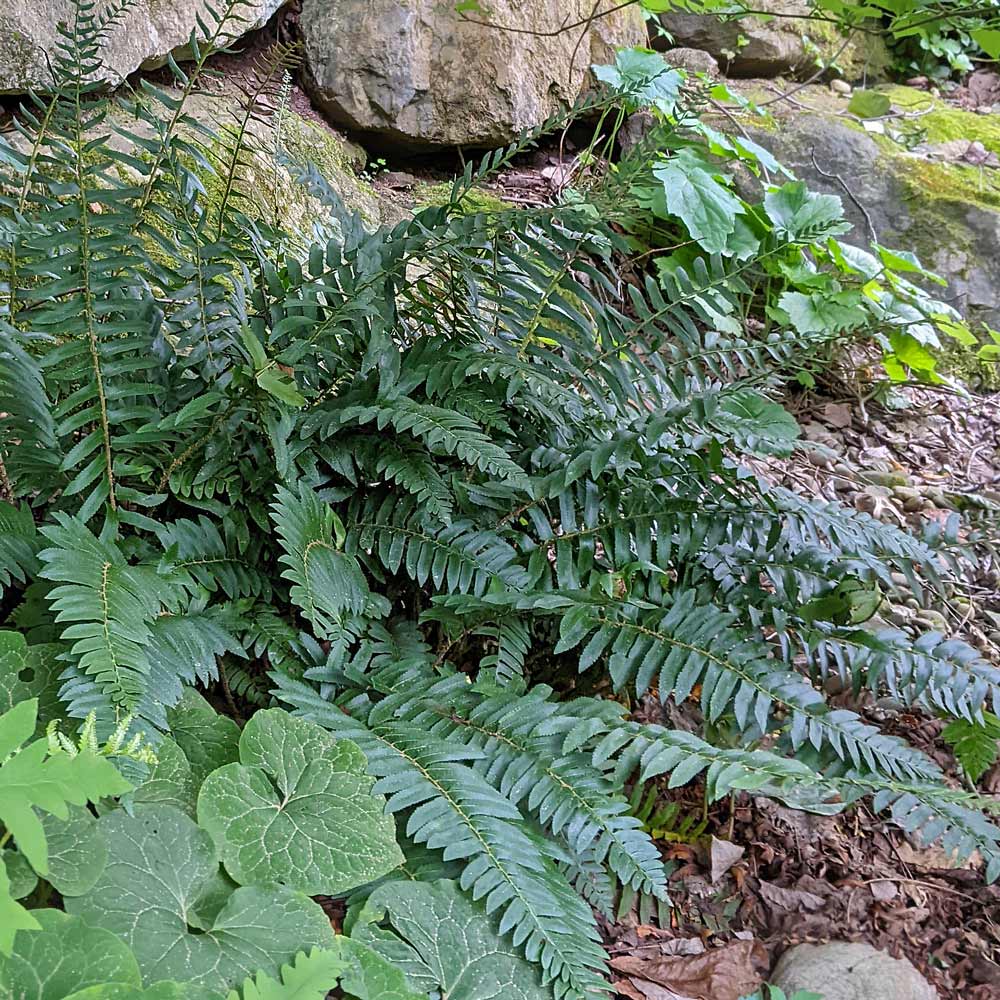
(692, 60)
(842, 971)
(841, 87)
(890, 479)
(933, 620)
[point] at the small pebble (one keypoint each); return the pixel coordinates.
(841, 87)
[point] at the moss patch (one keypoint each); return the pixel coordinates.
(942, 122)
(475, 201)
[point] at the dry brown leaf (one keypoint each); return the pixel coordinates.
(884, 890)
(789, 899)
(727, 973)
(724, 855)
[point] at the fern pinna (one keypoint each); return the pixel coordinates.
(387, 477)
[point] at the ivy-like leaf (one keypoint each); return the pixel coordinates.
(209, 740)
(77, 852)
(170, 781)
(445, 943)
(298, 810)
(29, 672)
(162, 893)
(65, 955)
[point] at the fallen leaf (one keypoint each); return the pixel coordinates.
(789, 899)
(838, 415)
(884, 890)
(727, 973)
(724, 855)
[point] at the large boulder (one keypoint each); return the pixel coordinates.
(143, 37)
(842, 971)
(939, 197)
(419, 75)
(788, 43)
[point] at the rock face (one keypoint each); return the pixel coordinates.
(789, 45)
(146, 34)
(419, 75)
(943, 208)
(840, 971)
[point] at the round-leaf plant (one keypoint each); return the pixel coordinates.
(163, 893)
(298, 810)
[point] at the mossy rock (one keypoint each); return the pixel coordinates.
(947, 213)
(774, 45)
(475, 201)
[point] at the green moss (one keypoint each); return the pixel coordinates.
(950, 182)
(943, 122)
(475, 201)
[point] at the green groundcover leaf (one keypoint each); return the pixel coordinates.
(208, 739)
(869, 104)
(445, 943)
(21, 875)
(29, 672)
(359, 971)
(757, 423)
(170, 781)
(162, 892)
(298, 810)
(77, 852)
(158, 991)
(66, 955)
(694, 195)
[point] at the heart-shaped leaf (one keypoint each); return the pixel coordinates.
(29, 672)
(170, 780)
(445, 943)
(208, 739)
(163, 893)
(298, 810)
(158, 991)
(64, 956)
(77, 852)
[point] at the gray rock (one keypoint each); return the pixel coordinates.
(692, 60)
(776, 46)
(418, 76)
(841, 971)
(145, 36)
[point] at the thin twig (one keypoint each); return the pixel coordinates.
(850, 194)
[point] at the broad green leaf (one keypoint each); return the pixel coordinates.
(756, 423)
(158, 991)
(802, 215)
(369, 976)
(694, 194)
(208, 739)
(13, 916)
(162, 892)
(279, 385)
(31, 779)
(77, 852)
(298, 810)
(822, 312)
(445, 943)
(21, 876)
(643, 78)
(869, 104)
(988, 39)
(29, 672)
(170, 780)
(64, 956)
